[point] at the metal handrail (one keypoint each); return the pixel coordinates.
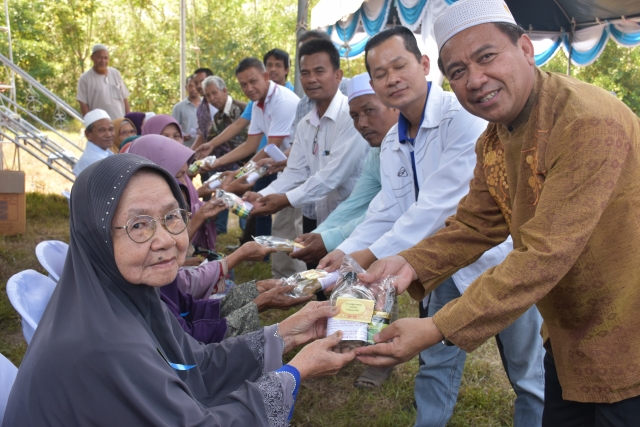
(37, 119)
(46, 92)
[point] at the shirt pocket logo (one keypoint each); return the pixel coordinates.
(403, 172)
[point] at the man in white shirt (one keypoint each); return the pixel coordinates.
(102, 87)
(328, 152)
(426, 164)
(273, 110)
(100, 133)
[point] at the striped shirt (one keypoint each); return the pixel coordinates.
(325, 172)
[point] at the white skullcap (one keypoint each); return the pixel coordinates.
(98, 47)
(469, 13)
(358, 86)
(95, 115)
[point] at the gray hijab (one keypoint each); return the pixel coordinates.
(109, 353)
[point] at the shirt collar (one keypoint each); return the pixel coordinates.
(431, 113)
(333, 111)
(270, 92)
(227, 105)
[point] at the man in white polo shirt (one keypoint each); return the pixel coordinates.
(273, 111)
(272, 114)
(328, 152)
(426, 164)
(100, 133)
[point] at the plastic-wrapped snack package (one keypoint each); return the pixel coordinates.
(257, 174)
(207, 161)
(385, 293)
(214, 180)
(248, 167)
(235, 204)
(281, 245)
(309, 282)
(364, 309)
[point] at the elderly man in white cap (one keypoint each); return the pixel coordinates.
(100, 133)
(102, 87)
(426, 165)
(558, 170)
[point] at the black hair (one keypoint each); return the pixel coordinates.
(313, 34)
(512, 31)
(207, 71)
(321, 45)
(89, 128)
(188, 79)
(407, 35)
(278, 54)
(250, 62)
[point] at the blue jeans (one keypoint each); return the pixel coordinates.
(221, 222)
(520, 345)
(263, 222)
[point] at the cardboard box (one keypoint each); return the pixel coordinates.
(13, 209)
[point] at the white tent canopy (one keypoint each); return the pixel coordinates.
(352, 22)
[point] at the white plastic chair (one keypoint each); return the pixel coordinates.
(8, 373)
(29, 293)
(52, 254)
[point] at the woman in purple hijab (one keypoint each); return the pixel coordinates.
(137, 119)
(162, 124)
(174, 158)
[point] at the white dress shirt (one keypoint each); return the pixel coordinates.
(274, 117)
(327, 176)
(92, 153)
(444, 152)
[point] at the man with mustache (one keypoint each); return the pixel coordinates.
(426, 164)
(557, 170)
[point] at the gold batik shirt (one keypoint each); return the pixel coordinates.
(565, 183)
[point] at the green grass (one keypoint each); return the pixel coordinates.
(485, 399)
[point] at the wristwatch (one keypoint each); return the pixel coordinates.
(447, 342)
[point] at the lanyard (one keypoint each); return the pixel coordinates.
(412, 142)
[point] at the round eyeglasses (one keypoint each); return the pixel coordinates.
(143, 227)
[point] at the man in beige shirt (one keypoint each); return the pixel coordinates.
(102, 87)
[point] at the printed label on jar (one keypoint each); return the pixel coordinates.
(329, 280)
(354, 309)
(351, 331)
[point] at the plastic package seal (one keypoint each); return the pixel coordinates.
(309, 282)
(235, 204)
(280, 244)
(364, 309)
(214, 181)
(207, 161)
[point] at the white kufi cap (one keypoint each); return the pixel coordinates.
(469, 13)
(358, 86)
(95, 115)
(98, 48)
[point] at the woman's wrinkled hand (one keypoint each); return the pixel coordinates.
(308, 324)
(317, 359)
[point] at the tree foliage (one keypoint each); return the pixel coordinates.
(52, 41)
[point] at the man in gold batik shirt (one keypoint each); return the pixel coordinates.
(558, 169)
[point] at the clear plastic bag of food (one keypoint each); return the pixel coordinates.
(214, 180)
(256, 174)
(309, 282)
(246, 169)
(364, 309)
(280, 244)
(207, 161)
(235, 204)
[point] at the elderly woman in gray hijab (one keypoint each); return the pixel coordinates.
(107, 352)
